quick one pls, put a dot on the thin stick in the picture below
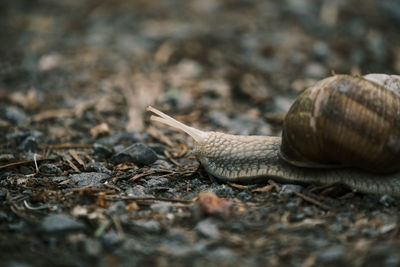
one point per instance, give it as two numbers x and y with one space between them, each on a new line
313 201
117 197
20 163
65 146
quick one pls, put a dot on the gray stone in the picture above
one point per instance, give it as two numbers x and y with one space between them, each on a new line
19 136
7 157
386 200
89 178
111 239
123 137
92 247
102 150
150 226
157 181
60 222
17 264
136 191
58 179
98 167
139 153
392 8
14 115
207 228
117 208
50 169
288 189
162 208
332 254
29 143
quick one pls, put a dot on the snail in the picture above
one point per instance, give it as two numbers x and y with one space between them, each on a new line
344 129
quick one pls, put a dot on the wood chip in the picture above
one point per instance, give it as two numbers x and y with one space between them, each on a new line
73 166
76 157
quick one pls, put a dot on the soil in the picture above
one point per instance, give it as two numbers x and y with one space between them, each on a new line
87 180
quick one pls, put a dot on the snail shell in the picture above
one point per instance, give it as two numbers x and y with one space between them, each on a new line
346 120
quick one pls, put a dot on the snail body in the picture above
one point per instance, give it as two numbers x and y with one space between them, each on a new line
316 131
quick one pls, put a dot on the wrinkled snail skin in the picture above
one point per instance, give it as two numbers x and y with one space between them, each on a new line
249 159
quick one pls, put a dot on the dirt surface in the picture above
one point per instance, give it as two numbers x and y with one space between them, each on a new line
86 180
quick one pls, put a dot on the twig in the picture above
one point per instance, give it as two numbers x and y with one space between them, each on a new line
117 197
168 155
118 226
34 159
76 157
28 206
313 201
112 186
65 146
239 186
20 163
73 166
146 173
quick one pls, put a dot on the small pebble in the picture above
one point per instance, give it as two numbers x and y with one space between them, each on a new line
60 222
7 157
50 169
123 137
19 136
139 154
288 189
136 191
386 200
117 208
89 178
111 239
58 179
158 148
92 247
29 143
97 167
150 226
162 208
332 254
208 229
157 182
14 115
102 150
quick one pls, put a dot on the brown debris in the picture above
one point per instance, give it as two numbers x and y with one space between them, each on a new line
313 201
101 129
52 114
213 205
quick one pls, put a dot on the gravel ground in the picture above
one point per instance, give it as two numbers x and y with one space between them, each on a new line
85 179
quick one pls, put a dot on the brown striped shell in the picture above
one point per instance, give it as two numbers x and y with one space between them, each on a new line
346 120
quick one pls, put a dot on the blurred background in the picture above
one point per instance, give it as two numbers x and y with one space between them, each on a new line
235 63
75 78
